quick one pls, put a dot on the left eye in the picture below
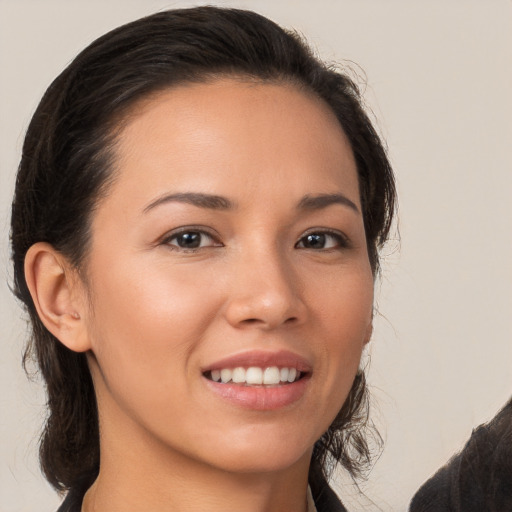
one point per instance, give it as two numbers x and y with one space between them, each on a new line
190 240
321 240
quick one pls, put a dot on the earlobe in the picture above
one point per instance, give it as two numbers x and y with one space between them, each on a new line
54 288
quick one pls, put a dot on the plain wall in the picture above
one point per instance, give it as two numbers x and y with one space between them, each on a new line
439 77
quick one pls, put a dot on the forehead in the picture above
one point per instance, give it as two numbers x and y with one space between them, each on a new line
236 135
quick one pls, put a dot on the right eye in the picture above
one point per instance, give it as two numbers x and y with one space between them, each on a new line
190 240
322 239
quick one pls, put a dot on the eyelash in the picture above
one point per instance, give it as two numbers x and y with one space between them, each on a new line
341 241
190 230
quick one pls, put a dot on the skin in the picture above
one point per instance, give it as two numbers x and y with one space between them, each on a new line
151 314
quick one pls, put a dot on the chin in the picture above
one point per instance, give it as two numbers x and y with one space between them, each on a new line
270 462
262 453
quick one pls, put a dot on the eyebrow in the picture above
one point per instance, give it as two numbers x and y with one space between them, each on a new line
200 200
214 202
317 202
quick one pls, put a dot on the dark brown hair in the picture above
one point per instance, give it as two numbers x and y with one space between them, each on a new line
66 167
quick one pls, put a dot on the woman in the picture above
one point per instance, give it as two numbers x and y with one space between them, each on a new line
195 233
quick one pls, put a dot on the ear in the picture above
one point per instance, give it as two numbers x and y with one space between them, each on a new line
58 295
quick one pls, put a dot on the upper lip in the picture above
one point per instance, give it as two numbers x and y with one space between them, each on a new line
262 359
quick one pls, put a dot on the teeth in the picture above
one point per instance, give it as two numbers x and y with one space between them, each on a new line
225 375
255 376
239 375
271 375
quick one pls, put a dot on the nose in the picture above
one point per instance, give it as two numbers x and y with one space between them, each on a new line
266 293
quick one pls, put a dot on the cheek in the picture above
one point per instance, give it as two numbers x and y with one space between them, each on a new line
344 316
146 323
343 304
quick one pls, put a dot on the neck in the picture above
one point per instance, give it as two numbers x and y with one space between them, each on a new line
138 485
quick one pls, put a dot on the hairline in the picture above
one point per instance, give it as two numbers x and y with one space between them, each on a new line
112 129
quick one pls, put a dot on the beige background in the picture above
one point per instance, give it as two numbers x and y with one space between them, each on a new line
439 81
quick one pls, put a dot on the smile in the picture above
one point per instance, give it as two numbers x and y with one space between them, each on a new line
255 376
259 380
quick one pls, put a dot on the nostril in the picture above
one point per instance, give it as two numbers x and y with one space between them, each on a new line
255 321
250 321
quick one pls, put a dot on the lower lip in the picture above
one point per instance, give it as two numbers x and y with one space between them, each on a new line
261 398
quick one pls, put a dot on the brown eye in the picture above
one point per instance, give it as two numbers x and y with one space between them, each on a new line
190 240
314 241
322 240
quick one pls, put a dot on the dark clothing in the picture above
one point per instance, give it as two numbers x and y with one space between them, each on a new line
478 479
324 497
73 502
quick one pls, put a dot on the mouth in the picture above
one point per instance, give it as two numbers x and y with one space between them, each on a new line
260 380
255 376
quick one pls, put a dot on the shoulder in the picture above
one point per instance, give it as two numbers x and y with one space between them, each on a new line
479 477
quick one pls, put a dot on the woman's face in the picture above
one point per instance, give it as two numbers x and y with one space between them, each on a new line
230 246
